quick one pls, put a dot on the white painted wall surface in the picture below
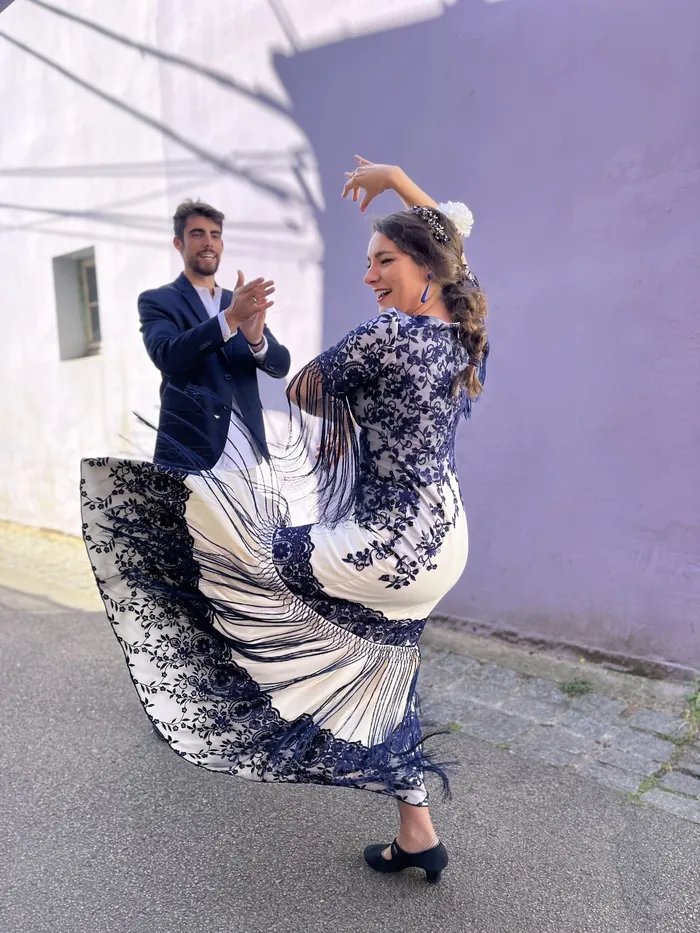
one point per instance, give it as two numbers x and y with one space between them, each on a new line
65 148
54 412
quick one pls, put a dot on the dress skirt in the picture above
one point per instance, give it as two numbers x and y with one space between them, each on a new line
264 649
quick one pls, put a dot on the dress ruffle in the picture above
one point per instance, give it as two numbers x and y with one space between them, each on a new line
237 672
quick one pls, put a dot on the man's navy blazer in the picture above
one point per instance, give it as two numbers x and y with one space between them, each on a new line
200 373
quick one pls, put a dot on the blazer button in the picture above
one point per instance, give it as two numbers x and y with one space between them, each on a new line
226 408
227 377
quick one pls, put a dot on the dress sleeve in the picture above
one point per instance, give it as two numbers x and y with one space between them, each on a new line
360 356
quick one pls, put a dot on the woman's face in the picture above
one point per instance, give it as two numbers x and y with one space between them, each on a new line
395 278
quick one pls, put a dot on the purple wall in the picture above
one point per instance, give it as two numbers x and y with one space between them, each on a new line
572 128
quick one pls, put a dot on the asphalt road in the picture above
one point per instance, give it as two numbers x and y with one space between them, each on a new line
103 828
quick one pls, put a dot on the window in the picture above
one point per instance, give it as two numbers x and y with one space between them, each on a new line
77 304
91 308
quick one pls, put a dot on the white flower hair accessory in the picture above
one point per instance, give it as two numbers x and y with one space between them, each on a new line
459 214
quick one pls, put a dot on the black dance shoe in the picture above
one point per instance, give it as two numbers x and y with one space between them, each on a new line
432 861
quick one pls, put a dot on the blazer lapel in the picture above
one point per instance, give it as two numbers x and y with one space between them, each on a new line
192 298
200 312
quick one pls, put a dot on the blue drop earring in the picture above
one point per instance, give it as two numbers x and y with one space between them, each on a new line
424 296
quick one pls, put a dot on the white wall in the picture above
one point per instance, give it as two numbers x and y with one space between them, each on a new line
54 412
65 148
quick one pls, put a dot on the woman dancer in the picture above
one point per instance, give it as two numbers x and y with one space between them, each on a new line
280 652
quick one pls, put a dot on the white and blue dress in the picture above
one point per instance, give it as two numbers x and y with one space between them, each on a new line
285 652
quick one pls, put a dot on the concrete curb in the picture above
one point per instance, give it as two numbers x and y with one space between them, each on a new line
666 695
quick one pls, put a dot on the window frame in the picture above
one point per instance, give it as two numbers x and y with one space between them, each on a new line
93 342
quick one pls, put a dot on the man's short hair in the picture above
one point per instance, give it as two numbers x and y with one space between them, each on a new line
190 208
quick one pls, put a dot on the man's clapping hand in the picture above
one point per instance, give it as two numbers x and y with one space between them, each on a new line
249 306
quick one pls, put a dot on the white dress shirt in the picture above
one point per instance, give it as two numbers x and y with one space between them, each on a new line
239 452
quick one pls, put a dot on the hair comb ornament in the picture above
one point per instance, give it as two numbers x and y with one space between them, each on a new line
458 213
432 218
468 276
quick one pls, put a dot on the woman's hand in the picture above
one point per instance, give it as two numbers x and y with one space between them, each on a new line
373 179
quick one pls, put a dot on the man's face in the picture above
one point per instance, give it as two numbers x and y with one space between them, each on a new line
201 246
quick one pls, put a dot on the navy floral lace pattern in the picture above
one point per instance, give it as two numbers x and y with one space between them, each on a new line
194 669
143 516
397 373
292 550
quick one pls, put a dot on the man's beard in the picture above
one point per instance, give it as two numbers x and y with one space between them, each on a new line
203 267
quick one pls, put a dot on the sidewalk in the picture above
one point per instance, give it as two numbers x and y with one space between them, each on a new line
48 564
637 736
650 754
